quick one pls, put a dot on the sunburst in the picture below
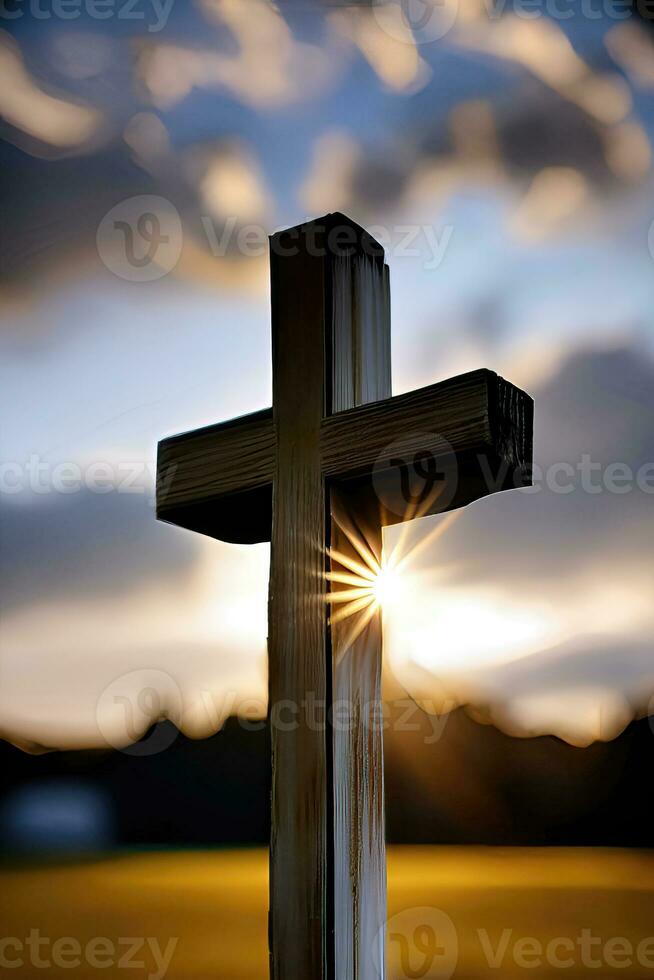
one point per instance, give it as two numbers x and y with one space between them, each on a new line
364 583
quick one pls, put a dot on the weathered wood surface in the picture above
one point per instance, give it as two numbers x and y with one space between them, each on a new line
360 345
327 849
218 480
297 645
232 465
359 819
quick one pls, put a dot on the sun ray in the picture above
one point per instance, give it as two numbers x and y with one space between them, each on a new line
415 510
351 608
436 532
345 595
358 543
352 564
356 630
374 584
343 578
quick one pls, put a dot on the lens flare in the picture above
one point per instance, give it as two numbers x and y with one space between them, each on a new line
387 585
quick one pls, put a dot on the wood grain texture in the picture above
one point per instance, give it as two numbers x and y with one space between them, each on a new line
360 344
360 352
359 824
327 848
218 480
460 415
297 644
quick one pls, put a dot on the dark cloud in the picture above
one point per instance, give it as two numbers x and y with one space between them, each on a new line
85 545
51 210
541 129
600 403
534 128
590 661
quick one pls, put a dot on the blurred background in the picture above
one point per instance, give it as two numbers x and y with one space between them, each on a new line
502 154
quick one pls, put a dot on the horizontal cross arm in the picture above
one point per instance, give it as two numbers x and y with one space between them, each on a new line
476 430
218 480
436 448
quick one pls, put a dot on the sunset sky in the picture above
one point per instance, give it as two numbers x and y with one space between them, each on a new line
506 164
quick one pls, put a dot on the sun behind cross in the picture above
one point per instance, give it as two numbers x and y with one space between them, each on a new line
373 583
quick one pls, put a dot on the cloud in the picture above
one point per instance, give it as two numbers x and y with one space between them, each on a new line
87 545
546 152
599 404
585 690
82 568
555 195
384 39
52 217
270 69
102 602
229 182
327 186
565 134
535 608
543 48
58 122
632 48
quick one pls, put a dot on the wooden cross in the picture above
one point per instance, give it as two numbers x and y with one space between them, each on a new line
315 475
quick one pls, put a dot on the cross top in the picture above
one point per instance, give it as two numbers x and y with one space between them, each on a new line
331 463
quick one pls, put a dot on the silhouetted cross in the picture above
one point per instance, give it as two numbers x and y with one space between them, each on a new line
319 475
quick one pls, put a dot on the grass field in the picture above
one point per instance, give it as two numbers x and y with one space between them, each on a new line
466 912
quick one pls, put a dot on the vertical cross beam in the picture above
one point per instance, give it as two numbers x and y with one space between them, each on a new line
300 475
331 352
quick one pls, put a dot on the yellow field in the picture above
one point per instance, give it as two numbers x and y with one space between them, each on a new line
466 906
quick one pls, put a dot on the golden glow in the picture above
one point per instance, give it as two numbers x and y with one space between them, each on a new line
225 892
372 583
388 585
468 629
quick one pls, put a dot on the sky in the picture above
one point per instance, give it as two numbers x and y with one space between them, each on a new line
504 160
